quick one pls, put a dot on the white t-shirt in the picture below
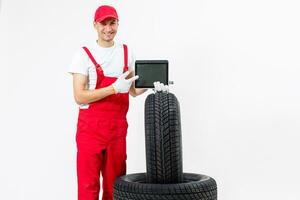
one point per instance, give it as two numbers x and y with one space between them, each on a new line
111 60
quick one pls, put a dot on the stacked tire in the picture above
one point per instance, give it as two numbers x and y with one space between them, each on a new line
164 179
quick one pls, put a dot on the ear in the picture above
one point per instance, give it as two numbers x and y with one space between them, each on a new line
94 24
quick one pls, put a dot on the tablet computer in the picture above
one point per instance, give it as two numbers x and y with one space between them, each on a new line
150 71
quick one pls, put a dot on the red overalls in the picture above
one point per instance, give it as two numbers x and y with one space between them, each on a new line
101 139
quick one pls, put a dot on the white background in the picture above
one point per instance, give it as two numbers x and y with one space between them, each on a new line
236 70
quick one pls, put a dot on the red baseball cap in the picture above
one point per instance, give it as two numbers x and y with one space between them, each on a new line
104 12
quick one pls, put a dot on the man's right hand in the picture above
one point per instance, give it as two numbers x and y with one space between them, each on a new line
122 85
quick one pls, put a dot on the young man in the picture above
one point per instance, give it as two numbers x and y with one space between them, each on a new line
101 89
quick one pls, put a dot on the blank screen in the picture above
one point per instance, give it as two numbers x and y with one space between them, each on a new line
151 72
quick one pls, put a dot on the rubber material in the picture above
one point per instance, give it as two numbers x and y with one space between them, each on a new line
163 139
194 187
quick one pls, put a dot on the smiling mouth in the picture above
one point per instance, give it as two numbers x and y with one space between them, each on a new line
108 33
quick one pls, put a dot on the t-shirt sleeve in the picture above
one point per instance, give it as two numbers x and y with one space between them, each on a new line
131 59
79 63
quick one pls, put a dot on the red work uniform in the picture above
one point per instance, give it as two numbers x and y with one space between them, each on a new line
101 139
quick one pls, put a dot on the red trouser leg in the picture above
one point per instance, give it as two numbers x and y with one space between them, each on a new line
88 175
114 165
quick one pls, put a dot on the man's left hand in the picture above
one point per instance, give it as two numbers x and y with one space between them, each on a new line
160 87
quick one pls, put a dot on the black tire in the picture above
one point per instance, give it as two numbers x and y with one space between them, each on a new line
194 187
163 139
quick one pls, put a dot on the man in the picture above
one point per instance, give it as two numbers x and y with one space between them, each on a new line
101 89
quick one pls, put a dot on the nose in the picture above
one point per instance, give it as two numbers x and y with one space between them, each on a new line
108 27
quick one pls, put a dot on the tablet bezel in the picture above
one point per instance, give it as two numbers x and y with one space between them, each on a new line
151 62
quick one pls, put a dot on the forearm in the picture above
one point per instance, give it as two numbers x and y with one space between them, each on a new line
140 91
136 92
89 96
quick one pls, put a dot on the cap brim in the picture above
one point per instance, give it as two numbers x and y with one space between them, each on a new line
105 17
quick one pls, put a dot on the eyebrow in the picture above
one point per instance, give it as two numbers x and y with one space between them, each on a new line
109 21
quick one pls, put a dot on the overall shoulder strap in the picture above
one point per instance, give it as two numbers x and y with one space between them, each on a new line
92 57
125 57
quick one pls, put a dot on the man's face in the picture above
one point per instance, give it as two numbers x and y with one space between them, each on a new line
107 29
